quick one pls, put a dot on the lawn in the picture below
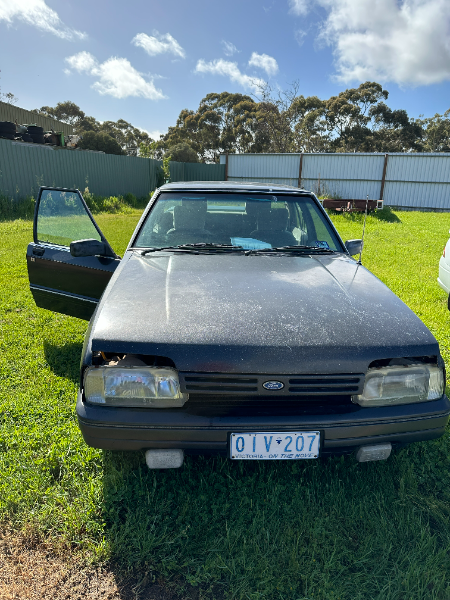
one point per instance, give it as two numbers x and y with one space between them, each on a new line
319 530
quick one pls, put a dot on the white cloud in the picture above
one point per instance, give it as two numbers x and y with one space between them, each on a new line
83 61
158 44
119 79
155 134
228 48
404 41
229 69
300 36
115 77
299 7
38 14
264 61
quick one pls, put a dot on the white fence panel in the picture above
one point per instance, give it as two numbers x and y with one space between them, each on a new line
419 180
257 166
422 168
417 195
344 188
340 167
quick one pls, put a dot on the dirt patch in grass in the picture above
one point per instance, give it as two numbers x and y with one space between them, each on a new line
30 569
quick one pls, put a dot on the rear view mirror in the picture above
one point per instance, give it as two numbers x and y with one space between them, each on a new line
88 248
354 247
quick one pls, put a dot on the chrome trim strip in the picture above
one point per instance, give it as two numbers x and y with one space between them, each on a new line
39 288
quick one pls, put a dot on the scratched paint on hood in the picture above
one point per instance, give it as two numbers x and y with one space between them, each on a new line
295 313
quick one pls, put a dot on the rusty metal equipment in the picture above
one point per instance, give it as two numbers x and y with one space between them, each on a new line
345 205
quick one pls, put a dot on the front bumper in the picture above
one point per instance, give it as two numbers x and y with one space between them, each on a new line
113 428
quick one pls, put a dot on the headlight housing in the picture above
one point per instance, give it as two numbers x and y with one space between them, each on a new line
155 387
401 385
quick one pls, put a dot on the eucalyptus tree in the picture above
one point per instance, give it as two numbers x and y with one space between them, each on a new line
126 135
222 123
436 132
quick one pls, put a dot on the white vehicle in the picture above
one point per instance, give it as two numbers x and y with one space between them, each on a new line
444 271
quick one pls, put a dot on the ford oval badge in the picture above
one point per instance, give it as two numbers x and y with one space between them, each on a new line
273 385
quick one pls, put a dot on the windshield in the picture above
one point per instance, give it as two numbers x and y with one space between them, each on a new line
250 221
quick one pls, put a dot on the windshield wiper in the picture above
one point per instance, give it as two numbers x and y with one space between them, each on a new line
197 248
205 247
303 249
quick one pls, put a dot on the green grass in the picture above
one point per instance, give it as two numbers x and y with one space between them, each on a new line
11 209
323 529
23 208
403 249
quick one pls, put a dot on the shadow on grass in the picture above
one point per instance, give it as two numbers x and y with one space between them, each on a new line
155 536
64 360
386 215
263 529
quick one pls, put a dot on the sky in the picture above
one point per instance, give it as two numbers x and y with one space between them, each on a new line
145 61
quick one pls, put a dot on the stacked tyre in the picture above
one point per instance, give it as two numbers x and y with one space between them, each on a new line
7 130
36 133
27 137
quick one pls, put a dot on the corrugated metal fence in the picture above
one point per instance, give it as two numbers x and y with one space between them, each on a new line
25 167
9 112
196 172
419 180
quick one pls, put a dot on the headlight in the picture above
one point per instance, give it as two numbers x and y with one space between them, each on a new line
401 385
156 387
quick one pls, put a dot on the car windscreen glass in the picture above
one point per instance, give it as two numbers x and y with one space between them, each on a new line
252 221
62 219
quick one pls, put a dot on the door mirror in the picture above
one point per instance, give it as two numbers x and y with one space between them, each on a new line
354 247
89 247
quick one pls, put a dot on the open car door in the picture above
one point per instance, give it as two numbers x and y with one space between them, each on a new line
69 262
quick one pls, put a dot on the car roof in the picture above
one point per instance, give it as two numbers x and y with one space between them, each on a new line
234 186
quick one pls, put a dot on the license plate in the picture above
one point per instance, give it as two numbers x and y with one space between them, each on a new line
275 445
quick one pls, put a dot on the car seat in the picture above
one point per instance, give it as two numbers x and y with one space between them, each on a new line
272 226
165 222
189 224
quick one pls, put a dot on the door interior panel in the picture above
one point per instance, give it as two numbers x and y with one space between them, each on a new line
57 269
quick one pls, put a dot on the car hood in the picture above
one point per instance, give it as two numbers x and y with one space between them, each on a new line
278 314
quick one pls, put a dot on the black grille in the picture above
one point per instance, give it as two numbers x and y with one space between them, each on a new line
267 406
219 383
222 383
325 384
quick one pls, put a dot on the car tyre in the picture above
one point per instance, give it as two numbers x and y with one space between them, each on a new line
35 130
7 127
37 139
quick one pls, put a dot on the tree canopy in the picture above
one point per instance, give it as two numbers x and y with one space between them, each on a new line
100 141
67 112
273 120
126 135
356 120
222 123
437 132
182 153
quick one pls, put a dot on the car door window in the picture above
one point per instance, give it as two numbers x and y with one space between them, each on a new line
62 219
